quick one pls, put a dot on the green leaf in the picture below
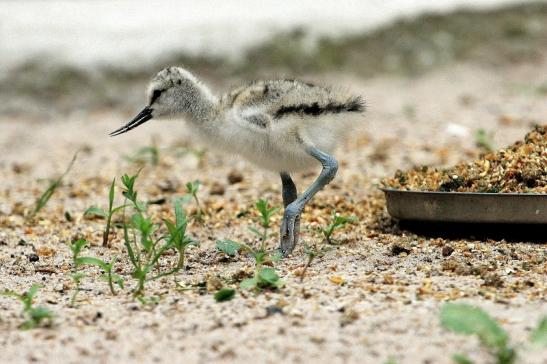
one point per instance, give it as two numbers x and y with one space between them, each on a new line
469 320
116 209
111 194
180 216
36 316
255 231
77 277
10 293
539 335
248 283
77 246
171 228
39 313
461 359
44 198
193 187
269 277
96 211
29 295
118 280
225 294
115 278
229 247
92 261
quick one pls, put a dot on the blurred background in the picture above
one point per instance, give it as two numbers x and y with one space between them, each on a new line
62 57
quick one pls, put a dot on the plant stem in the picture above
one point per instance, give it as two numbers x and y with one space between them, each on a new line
308 263
106 232
180 264
110 284
73 298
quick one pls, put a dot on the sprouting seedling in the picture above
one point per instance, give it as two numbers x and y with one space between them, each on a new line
469 320
266 214
483 140
130 193
46 195
76 247
35 316
108 268
312 252
263 277
192 189
177 233
338 221
106 214
77 279
145 250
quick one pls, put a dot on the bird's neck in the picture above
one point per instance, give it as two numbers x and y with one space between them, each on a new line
199 105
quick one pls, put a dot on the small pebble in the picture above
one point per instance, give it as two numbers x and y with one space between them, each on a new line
234 177
217 189
33 257
447 250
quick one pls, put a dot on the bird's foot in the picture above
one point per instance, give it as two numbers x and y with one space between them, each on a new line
290 228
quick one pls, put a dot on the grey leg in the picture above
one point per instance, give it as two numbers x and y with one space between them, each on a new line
289 189
289 195
289 225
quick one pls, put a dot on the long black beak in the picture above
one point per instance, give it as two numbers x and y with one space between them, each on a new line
141 118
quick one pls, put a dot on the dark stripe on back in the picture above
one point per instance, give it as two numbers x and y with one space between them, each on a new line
355 104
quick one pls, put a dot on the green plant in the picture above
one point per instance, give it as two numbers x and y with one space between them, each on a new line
263 278
177 233
265 221
312 252
469 320
224 294
77 279
54 184
96 211
108 276
229 247
192 189
338 221
146 249
76 247
483 140
35 316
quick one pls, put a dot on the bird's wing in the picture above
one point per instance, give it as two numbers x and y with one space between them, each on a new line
263 101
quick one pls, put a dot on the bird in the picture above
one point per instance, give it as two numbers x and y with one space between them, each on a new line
282 125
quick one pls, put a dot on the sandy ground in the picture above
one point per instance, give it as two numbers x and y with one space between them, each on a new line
374 296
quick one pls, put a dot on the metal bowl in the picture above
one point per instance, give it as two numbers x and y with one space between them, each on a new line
467 207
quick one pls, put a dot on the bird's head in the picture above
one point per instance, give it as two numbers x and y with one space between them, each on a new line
173 91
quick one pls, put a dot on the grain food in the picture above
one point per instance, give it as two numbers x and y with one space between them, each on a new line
521 167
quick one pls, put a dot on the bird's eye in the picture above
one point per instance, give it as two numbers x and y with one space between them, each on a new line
155 95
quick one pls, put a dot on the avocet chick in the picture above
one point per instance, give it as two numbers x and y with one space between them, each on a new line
283 125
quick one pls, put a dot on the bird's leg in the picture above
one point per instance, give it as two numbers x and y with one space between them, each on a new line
289 189
289 195
291 217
